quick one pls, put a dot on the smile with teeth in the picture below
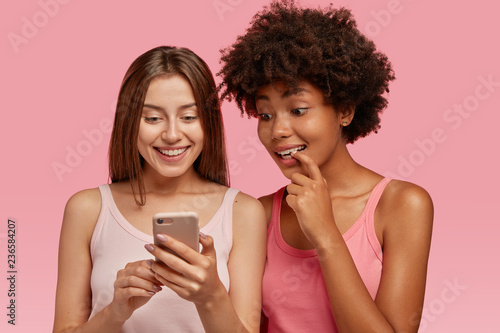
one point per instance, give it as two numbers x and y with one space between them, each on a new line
287 154
172 152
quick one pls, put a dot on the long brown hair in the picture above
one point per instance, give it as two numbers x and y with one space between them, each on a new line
125 162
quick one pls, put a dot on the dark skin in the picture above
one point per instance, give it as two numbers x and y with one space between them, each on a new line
324 176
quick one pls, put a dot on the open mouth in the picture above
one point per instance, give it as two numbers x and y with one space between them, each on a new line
287 154
172 152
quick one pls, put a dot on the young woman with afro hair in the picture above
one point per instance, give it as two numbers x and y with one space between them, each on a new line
347 249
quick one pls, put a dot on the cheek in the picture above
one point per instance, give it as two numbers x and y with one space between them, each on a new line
142 146
264 132
141 136
145 135
321 128
196 134
200 133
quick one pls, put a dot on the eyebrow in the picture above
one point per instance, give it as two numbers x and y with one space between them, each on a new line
285 94
159 108
295 91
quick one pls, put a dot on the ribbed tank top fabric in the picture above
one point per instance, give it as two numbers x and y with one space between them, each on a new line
294 292
115 242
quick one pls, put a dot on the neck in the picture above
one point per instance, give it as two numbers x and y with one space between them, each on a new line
341 171
155 183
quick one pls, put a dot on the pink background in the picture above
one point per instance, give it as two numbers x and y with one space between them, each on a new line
62 64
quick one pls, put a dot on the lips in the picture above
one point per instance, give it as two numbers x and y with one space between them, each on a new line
171 152
286 151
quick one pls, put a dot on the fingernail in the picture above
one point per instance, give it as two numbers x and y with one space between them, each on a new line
202 235
149 247
149 262
151 293
161 237
157 288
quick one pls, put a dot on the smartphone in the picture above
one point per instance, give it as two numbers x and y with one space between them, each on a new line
183 226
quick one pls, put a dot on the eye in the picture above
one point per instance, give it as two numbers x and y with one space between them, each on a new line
299 111
264 116
152 120
189 118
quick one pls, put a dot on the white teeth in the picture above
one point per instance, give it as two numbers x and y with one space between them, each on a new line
286 154
172 152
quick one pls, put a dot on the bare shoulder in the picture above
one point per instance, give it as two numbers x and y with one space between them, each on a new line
402 196
87 202
246 204
248 217
82 211
405 206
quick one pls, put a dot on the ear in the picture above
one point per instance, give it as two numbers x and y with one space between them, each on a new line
345 115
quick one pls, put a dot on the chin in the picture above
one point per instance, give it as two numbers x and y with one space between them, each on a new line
288 172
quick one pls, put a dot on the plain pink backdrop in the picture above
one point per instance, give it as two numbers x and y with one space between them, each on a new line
62 65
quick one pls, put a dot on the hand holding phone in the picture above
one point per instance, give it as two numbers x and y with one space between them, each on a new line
183 226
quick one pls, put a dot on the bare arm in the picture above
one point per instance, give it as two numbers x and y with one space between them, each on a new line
406 213
399 301
247 259
73 296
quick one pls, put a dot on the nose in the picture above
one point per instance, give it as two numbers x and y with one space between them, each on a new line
280 128
172 132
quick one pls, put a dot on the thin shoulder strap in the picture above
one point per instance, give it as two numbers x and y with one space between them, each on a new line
228 200
374 198
227 208
106 195
369 216
106 199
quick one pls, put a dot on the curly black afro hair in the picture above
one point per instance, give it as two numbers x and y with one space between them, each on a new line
324 46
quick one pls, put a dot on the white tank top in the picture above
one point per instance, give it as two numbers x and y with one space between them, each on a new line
115 242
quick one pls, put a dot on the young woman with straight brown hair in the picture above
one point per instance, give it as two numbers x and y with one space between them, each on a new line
166 154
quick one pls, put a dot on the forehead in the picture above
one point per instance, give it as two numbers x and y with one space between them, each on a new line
167 88
170 81
282 90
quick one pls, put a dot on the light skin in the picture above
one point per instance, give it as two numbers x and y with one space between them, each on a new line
169 122
324 176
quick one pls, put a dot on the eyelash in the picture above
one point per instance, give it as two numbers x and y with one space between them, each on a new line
156 119
151 119
264 116
302 111
190 118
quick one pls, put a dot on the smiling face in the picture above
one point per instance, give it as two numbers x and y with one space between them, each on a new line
170 133
298 120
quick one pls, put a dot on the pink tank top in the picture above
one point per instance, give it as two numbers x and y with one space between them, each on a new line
294 295
115 242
